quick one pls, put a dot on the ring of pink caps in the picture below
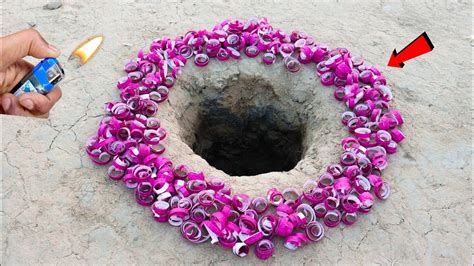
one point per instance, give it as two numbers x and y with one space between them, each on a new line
204 209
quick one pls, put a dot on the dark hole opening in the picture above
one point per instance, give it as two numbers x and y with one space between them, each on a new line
247 142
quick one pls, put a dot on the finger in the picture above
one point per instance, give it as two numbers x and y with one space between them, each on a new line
11 106
13 74
40 104
27 42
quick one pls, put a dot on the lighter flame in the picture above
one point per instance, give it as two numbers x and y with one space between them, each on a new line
88 49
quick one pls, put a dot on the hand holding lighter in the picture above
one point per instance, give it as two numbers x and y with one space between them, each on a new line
42 79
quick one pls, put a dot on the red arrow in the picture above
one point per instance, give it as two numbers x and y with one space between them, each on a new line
419 46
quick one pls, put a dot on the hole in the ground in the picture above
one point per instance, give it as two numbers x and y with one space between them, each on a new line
248 142
243 124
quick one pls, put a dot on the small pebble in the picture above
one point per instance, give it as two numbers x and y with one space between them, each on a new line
53 5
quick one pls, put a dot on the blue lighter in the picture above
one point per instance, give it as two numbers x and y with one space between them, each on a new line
41 79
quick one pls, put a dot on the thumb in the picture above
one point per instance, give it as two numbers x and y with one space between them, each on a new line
27 42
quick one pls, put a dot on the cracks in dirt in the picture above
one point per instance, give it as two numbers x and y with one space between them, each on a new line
450 206
370 229
391 261
52 141
19 173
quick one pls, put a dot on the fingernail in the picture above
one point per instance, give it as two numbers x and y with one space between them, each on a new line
54 49
28 104
6 103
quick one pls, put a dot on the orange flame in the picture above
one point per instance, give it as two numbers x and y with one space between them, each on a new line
88 49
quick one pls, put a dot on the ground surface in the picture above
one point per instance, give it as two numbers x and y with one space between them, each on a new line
60 208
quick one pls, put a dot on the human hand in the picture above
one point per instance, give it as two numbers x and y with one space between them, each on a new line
13 48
